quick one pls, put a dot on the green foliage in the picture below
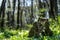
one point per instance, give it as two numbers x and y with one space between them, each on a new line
23 34
1 35
42 10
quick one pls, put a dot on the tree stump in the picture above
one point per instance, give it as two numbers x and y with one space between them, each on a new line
40 27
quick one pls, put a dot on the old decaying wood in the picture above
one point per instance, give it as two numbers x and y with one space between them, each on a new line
40 27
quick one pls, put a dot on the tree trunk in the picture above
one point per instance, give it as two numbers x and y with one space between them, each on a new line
53 9
2 14
40 4
31 16
18 15
8 13
13 20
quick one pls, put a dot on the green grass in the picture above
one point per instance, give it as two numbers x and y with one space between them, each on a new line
23 34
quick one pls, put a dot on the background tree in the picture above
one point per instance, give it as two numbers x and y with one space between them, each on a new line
2 14
8 13
18 13
31 16
53 8
13 16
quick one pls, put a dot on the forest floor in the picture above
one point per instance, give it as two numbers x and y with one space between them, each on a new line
23 34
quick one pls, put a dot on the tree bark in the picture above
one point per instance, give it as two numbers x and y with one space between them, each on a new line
40 4
31 16
2 14
8 13
53 9
19 16
13 20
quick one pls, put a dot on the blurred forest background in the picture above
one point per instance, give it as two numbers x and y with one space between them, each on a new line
29 19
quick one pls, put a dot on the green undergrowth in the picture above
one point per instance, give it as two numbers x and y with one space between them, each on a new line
23 35
10 34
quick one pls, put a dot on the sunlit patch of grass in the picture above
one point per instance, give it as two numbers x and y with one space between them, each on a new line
23 35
